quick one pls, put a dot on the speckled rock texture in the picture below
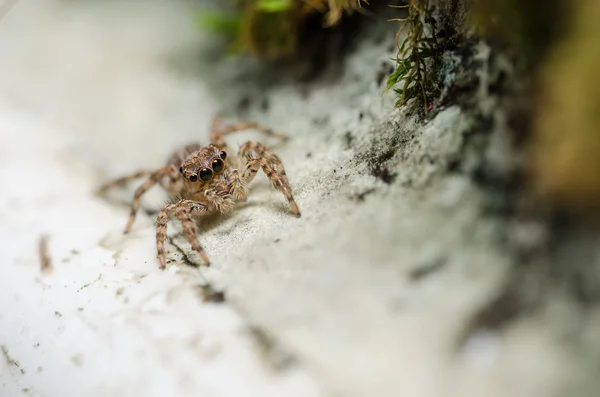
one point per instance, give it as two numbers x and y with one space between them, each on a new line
378 290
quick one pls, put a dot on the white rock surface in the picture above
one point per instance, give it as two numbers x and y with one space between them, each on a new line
92 90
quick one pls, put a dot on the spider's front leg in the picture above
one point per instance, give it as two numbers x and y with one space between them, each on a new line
154 177
120 182
255 156
183 210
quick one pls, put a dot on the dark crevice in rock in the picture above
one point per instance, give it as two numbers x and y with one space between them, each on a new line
10 360
209 294
274 354
422 272
278 358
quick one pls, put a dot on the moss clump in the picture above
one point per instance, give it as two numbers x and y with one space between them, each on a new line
412 60
270 29
269 32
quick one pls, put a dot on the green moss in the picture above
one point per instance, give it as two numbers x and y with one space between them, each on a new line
224 24
269 35
270 6
218 22
269 29
412 60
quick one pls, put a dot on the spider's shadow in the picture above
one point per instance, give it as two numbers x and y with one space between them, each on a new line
205 224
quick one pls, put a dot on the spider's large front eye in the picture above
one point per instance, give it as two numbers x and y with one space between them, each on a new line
181 170
223 155
205 174
217 165
194 178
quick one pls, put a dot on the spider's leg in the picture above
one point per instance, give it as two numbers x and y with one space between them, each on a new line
161 231
121 181
151 181
182 210
169 182
257 156
217 133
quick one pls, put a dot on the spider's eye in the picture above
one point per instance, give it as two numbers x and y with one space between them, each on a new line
223 155
217 165
181 170
194 178
205 174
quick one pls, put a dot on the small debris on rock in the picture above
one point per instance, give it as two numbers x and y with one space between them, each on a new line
264 105
209 294
10 360
423 271
244 104
361 196
383 173
77 360
348 139
45 260
272 352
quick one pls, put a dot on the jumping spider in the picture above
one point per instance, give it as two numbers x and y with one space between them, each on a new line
205 179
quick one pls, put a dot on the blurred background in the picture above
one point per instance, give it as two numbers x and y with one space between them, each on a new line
443 154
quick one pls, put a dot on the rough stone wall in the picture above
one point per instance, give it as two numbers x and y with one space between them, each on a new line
380 289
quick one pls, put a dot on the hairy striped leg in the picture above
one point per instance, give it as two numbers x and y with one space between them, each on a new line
121 181
217 133
167 185
154 177
257 156
183 210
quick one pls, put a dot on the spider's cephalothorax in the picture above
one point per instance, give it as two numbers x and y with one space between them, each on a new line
205 179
